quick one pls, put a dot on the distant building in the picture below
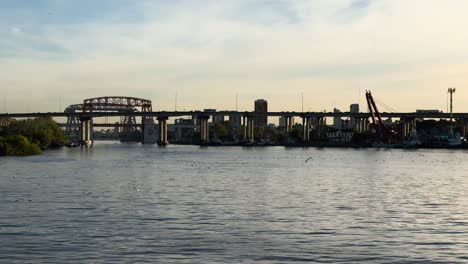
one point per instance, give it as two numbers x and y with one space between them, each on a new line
261 106
354 108
282 121
235 121
184 129
337 122
218 119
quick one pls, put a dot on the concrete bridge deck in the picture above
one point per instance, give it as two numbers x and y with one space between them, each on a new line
169 114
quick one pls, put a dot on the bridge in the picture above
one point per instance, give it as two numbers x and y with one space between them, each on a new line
80 119
411 115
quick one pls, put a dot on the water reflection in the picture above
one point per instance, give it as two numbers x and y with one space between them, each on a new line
131 203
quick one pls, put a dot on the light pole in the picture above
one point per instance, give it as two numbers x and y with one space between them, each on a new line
451 91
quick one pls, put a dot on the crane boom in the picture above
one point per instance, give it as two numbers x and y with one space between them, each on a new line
376 117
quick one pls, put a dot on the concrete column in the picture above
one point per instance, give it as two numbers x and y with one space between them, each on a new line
90 130
464 127
86 131
250 129
204 129
288 125
162 139
409 125
82 130
165 131
291 124
319 127
245 127
305 129
356 126
149 132
207 129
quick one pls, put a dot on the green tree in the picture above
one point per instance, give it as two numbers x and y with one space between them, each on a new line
28 137
220 130
17 145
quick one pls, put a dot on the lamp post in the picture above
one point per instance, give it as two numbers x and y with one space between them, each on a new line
451 91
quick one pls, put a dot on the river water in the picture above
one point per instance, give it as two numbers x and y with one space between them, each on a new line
130 203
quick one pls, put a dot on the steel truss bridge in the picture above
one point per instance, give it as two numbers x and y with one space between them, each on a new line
124 107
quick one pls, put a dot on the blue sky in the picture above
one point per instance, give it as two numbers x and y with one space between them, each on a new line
407 51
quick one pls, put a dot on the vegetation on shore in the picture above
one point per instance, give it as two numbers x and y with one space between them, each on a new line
30 137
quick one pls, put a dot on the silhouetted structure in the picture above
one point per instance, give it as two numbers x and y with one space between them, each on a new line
261 106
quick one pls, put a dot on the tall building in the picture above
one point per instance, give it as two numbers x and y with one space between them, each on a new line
354 108
235 121
337 122
282 121
261 106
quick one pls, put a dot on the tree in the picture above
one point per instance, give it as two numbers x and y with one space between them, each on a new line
28 137
220 130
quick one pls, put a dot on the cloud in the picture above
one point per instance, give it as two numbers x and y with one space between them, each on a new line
209 49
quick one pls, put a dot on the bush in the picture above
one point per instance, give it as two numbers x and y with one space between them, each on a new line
18 145
28 137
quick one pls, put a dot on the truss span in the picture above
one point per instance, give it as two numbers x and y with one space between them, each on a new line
117 104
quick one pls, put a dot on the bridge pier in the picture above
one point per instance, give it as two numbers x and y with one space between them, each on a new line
364 125
250 129
464 127
244 128
149 132
357 125
408 125
86 131
204 130
162 138
306 129
320 123
289 125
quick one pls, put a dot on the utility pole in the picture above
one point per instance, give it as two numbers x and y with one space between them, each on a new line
175 103
302 98
451 91
237 102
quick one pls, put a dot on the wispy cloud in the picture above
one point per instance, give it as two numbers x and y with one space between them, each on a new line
208 48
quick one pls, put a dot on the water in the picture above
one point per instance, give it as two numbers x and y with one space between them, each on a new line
181 204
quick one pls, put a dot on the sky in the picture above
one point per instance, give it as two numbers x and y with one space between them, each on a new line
54 53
